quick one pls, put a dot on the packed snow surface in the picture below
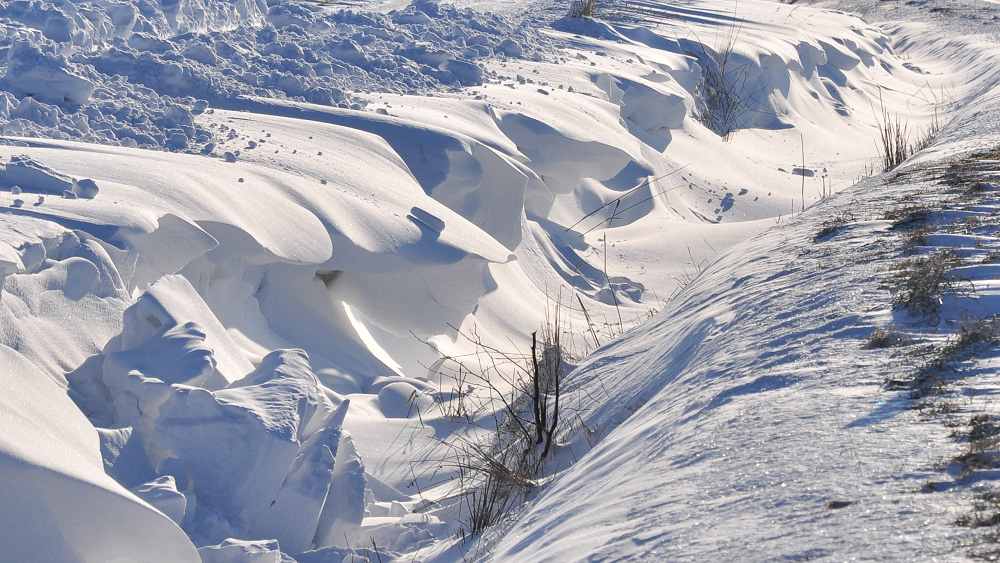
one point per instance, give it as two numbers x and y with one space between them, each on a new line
249 249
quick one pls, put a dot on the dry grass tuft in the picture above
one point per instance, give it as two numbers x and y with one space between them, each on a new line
583 9
890 337
922 282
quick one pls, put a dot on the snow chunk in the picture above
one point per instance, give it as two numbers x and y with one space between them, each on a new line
32 73
340 521
173 301
162 493
468 73
426 219
85 188
239 551
294 514
33 176
32 110
510 48
284 376
248 452
155 344
255 460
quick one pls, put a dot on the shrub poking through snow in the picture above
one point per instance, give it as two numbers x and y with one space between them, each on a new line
972 335
456 404
908 217
982 435
503 470
546 376
893 135
985 513
724 100
894 138
922 280
970 341
494 478
497 470
925 137
890 337
583 8
832 226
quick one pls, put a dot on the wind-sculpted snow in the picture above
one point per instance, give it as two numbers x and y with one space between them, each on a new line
753 419
273 257
736 423
60 504
253 460
62 274
247 239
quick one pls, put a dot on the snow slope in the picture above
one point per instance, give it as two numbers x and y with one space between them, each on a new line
753 413
750 420
241 241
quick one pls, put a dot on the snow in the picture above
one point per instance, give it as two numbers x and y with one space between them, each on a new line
244 245
52 474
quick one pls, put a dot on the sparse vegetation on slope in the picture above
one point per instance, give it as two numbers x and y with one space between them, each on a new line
945 383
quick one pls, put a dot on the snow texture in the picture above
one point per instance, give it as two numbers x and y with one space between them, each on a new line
244 246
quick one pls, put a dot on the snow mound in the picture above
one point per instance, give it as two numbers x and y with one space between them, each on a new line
31 73
51 471
22 174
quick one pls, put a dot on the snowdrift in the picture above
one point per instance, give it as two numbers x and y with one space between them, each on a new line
238 241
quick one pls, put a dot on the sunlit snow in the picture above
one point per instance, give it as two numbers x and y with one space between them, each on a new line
245 245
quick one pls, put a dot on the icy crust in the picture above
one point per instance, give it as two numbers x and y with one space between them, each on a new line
120 73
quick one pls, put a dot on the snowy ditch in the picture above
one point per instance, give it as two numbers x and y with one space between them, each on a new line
241 239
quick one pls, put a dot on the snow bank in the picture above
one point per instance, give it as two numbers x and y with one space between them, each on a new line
222 453
30 73
752 420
